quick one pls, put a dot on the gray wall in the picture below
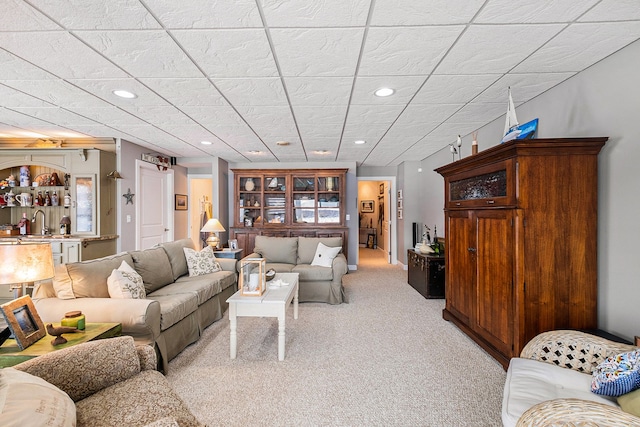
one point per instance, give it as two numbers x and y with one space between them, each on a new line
604 100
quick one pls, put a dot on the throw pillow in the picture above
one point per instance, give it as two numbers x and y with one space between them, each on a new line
324 255
125 282
617 375
630 402
203 262
26 400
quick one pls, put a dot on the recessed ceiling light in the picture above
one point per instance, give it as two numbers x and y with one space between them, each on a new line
206 142
124 94
283 143
359 142
254 152
384 91
321 152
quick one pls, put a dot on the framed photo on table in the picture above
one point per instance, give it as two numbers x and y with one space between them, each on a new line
24 321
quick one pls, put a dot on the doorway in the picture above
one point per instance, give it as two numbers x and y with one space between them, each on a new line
376 218
154 205
200 207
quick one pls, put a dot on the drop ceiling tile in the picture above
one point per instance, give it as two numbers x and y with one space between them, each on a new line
192 133
12 98
14 68
323 114
405 88
523 87
527 11
420 12
367 132
160 115
448 132
262 91
97 14
427 113
207 115
17 15
393 50
104 88
108 115
317 52
186 92
319 91
229 53
479 112
206 13
491 49
369 115
241 137
146 53
320 130
453 89
56 115
96 131
59 52
327 13
321 143
56 92
145 132
613 10
581 45
261 117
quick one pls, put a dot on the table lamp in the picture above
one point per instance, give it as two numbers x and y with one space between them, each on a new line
21 264
212 227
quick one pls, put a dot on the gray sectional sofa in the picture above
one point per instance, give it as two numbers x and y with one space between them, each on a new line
295 255
175 311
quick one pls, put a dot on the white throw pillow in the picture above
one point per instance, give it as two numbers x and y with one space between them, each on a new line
324 255
27 400
125 283
203 262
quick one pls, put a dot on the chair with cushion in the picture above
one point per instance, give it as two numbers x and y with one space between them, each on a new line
110 382
551 383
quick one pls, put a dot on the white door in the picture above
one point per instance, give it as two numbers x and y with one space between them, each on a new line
386 221
154 205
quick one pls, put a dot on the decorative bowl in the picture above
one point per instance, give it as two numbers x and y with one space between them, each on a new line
270 274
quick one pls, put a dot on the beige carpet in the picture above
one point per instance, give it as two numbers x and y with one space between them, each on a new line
385 359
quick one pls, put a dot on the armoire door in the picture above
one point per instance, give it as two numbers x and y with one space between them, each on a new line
494 310
460 273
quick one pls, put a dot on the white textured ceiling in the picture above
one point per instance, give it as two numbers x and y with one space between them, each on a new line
245 74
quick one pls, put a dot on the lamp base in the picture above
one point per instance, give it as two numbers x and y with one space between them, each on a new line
213 241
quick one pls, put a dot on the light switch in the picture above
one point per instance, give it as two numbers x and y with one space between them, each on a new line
128 218
348 217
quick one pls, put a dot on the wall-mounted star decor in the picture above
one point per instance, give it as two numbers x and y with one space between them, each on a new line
128 196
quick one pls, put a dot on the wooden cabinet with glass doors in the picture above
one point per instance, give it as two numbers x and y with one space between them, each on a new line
288 202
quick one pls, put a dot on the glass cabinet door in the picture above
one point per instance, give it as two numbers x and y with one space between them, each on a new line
84 206
304 199
329 200
250 200
274 200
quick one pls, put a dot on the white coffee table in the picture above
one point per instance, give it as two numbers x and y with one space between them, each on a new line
273 303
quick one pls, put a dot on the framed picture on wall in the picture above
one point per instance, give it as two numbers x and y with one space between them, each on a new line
399 213
399 203
399 194
382 188
181 202
366 206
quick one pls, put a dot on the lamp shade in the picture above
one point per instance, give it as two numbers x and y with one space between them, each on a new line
114 175
25 262
212 226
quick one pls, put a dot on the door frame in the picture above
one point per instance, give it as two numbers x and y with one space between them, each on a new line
393 237
143 198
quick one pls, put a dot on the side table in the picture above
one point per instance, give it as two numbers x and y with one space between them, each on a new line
426 274
10 353
229 253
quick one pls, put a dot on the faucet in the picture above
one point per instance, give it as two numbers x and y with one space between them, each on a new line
45 229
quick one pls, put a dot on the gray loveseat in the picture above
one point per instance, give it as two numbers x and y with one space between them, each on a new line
175 311
294 255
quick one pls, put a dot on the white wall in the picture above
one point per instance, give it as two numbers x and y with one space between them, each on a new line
604 100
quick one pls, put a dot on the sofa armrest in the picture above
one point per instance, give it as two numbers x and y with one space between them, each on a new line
340 267
575 350
140 318
148 358
87 368
574 412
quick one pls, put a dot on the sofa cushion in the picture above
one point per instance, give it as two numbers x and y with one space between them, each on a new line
175 253
324 255
87 279
26 400
311 273
201 262
174 307
124 282
277 249
205 287
530 382
279 267
617 375
630 402
307 247
154 267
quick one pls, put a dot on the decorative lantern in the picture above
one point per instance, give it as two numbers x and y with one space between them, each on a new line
252 280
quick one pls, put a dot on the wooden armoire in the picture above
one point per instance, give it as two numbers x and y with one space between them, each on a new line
520 248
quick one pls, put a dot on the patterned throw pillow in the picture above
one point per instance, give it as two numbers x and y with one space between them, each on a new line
126 283
203 262
617 375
